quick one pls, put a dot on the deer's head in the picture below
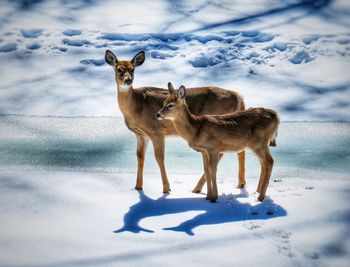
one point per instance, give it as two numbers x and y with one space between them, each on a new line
173 104
124 69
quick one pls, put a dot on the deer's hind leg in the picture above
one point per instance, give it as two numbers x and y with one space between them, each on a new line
142 143
241 169
267 162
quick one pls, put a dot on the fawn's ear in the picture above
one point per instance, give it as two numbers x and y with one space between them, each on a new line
181 93
138 59
171 88
110 58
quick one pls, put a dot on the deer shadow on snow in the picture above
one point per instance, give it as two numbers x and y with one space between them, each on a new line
227 209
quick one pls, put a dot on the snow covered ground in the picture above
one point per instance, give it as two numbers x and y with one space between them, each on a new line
67 162
67 199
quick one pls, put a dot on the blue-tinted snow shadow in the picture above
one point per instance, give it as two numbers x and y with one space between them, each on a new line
227 209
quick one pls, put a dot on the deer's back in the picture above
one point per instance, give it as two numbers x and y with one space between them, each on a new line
233 132
147 101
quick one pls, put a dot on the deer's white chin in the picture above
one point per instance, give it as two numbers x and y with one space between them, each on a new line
124 88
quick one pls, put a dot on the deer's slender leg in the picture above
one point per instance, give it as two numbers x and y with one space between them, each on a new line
269 165
262 177
142 143
213 163
202 180
241 169
158 145
207 173
267 162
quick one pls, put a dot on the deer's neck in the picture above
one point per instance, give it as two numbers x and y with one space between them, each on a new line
125 98
186 124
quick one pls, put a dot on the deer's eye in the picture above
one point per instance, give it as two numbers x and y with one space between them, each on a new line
170 106
120 72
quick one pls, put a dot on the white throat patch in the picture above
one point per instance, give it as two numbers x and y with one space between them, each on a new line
123 88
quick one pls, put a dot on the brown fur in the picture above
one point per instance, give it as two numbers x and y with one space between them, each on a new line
213 135
139 106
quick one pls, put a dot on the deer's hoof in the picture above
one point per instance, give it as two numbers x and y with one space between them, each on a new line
240 186
196 191
261 198
138 188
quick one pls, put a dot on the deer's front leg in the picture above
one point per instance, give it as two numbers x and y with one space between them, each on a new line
198 188
142 143
213 163
158 145
207 174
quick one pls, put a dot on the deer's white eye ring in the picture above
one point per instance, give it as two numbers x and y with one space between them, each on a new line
170 106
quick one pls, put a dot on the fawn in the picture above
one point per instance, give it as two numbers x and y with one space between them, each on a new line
213 135
139 105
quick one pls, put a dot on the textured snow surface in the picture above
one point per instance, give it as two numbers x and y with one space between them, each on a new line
289 55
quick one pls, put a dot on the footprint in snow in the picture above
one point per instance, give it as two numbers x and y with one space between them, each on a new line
71 32
309 187
33 46
96 62
8 47
33 33
253 225
312 255
281 240
75 42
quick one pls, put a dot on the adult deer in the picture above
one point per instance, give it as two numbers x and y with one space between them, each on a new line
139 105
213 135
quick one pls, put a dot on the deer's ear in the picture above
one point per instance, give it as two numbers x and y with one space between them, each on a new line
171 88
110 58
181 93
138 59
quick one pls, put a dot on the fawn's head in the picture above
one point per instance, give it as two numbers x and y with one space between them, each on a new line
124 69
173 104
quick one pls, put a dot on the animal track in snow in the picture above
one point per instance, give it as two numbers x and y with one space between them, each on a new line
253 225
281 240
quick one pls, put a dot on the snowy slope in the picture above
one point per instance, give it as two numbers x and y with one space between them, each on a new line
289 55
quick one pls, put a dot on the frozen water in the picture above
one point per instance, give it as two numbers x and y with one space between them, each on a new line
106 145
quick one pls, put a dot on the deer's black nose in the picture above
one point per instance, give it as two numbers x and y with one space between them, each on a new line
128 81
159 116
